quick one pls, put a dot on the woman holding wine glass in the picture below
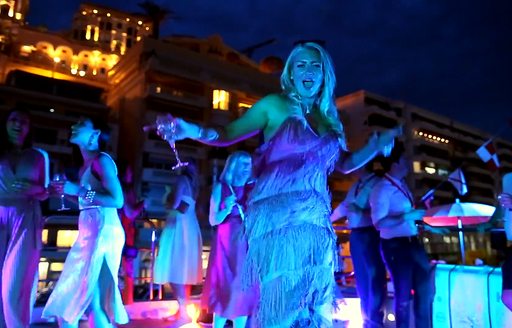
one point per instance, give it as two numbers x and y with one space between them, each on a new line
292 246
88 282
22 186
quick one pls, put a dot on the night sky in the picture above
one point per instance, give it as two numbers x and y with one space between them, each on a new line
451 57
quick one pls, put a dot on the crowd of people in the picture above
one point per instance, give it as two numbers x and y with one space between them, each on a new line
274 251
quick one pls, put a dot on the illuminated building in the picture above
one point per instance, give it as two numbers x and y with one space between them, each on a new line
200 80
108 29
437 145
107 67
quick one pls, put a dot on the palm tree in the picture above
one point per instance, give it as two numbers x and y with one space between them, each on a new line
156 14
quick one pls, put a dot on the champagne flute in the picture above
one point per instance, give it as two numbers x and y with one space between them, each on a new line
60 178
167 129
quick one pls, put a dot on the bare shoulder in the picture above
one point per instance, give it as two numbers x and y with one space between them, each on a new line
274 98
33 155
104 163
270 102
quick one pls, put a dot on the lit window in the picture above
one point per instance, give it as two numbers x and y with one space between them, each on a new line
96 33
244 105
45 231
56 266
26 50
66 238
442 172
113 45
123 43
43 270
430 170
18 16
88 32
158 89
177 93
204 259
416 165
220 99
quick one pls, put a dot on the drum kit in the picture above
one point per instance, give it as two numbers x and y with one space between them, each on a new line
459 215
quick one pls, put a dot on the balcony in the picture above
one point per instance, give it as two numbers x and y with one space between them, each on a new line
40 63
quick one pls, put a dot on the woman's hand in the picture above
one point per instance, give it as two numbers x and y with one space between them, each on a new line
505 200
171 128
385 140
229 202
64 187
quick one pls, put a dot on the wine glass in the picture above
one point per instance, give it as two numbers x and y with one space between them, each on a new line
60 178
167 129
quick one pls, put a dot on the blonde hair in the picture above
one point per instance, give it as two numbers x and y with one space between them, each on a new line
325 99
227 173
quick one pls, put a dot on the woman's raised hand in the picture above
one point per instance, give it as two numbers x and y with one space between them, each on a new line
171 128
386 138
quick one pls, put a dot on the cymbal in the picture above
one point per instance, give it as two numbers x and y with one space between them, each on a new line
449 215
452 221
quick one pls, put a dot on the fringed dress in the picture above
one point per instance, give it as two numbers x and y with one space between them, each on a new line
292 244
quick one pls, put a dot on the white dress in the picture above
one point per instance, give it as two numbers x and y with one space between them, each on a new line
180 247
93 259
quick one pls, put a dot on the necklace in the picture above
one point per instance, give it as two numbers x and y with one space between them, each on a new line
306 110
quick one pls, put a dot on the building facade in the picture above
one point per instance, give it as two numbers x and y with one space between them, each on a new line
106 66
436 145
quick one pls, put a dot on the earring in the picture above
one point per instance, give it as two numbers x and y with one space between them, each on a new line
91 140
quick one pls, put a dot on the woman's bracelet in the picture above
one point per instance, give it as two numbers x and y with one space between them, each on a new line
207 134
87 195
